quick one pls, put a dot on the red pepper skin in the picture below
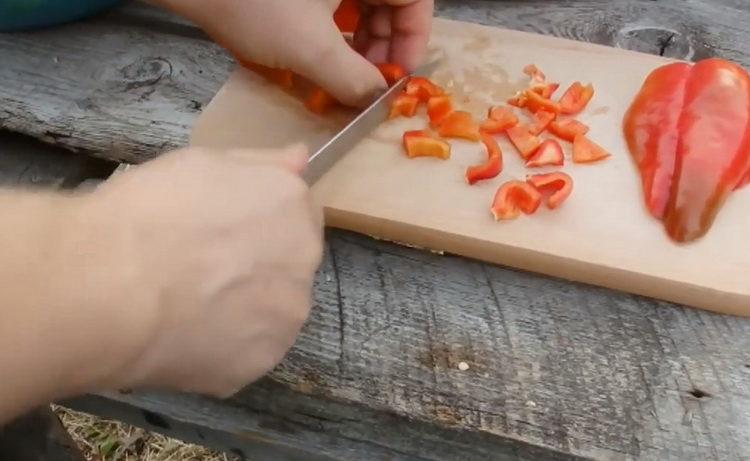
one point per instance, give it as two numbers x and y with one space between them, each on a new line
459 124
515 197
587 151
525 142
567 129
576 98
347 16
558 185
419 143
404 105
438 107
548 154
392 73
319 101
542 119
688 131
492 167
423 88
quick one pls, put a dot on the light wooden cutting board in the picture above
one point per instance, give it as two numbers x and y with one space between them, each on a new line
602 235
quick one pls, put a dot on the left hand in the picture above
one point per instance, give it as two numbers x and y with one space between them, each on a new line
301 35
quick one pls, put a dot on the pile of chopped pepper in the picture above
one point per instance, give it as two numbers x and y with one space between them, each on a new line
546 115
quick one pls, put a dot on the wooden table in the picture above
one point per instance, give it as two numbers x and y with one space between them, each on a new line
556 370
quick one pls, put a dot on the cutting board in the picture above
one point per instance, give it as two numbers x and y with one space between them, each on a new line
602 235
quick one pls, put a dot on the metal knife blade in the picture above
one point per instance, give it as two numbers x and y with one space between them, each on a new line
332 151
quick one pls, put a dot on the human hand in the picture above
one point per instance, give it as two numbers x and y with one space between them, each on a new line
300 35
212 256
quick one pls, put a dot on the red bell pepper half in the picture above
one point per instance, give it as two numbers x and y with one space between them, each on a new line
548 154
525 142
405 105
499 119
319 101
568 129
419 143
392 73
347 16
423 88
459 124
576 98
587 151
688 130
542 119
556 186
492 167
515 197
438 107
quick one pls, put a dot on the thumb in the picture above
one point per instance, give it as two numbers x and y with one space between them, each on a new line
292 158
334 65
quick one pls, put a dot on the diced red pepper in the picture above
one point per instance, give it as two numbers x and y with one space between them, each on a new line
282 77
542 119
391 72
405 105
492 167
319 101
556 186
347 16
587 151
534 73
419 143
576 98
515 197
519 100
499 119
459 124
568 129
423 88
438 107
688 130
525 142
549 153
536 102
545 90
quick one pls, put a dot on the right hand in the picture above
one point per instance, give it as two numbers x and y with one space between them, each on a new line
209 257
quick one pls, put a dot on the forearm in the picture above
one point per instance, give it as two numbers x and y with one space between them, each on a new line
52 342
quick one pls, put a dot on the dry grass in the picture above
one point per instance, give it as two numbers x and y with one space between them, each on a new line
102 440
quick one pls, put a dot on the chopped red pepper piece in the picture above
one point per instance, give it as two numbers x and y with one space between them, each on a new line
438 107
525 142
391 72
557 186
282 77
419 143
550 153
347 16
545 90
568 129
542 119
688 130
515 197
576 98
587 151
319 101
492 167
518 100
423 88
459 124
405 105
533 71
499 119
536 102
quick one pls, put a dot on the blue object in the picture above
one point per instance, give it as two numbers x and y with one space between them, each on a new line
18 15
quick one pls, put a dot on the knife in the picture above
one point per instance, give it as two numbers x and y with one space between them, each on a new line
331 152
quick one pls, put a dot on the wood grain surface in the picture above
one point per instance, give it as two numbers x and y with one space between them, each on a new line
556 369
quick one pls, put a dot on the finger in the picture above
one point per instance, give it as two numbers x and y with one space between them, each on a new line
292 158
378 26
334 65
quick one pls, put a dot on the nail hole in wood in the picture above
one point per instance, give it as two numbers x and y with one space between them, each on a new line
699 394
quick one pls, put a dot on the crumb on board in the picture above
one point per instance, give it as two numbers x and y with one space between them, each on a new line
463 366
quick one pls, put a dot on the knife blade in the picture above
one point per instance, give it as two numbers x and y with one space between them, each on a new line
332 151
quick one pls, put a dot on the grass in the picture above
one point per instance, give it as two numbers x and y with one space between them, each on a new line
103 440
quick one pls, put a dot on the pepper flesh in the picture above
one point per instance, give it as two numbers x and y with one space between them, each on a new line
587 151
542 119
525 142
558 185
567 129
392 73
515 197
548 154
492 167
576 98
438 107
347 16
459 124
423 88
688 130
405 105
498 120
319 101
419 143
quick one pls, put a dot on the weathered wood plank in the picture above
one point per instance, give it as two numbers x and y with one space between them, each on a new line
553 367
